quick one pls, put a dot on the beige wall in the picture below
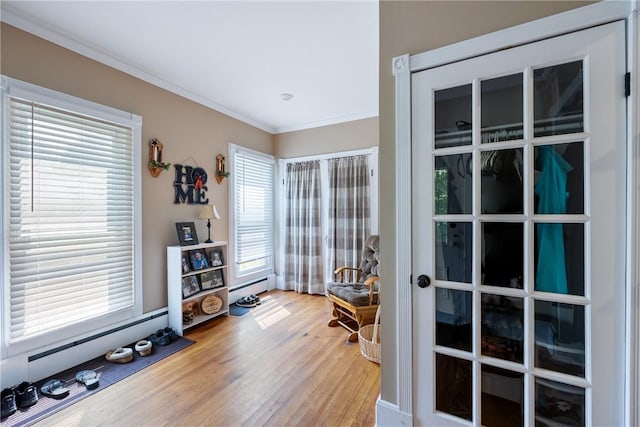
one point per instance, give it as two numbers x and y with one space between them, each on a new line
191 133
413 27
328 139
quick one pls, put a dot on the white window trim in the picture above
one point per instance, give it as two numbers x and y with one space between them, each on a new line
236 280
16 88
371 153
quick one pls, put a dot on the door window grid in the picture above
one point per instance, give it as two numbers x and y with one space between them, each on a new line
529 219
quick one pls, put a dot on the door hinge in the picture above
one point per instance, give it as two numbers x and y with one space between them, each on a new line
410 279
627 84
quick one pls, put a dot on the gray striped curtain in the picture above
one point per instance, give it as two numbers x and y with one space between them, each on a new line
349 210
303 230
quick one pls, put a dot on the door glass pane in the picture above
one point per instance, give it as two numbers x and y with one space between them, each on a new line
559 331
559 258
453 247
501 108
502 327
558 404
502 254
559 175
453 386
453 318
453 116
501 185
453 181
502 397
558 99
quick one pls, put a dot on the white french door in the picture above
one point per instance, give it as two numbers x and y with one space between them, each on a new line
518 189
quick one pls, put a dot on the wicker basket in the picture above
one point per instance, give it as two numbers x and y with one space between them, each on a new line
369 339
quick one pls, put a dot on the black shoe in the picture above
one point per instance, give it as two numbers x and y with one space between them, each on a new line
160 338
8 403
246 302
171 333
26 394
255 299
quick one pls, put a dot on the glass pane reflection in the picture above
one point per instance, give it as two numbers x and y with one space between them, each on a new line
501 185
453 386
453 318
453 181
558 404
559 331
453 116
502 397
453 247
502 327
558 99
502 254
559 258
501 108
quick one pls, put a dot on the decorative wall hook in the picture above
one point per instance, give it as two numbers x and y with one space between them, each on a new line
155 158
220 171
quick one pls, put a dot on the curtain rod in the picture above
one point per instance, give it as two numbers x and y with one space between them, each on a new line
362 151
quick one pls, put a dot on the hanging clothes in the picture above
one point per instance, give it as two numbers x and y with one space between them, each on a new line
551 272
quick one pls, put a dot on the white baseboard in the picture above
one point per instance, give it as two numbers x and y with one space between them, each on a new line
388 415
18 368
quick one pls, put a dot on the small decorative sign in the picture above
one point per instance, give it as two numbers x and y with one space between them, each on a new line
190 185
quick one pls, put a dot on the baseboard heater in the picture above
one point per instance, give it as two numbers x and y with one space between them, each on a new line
254 287
67 346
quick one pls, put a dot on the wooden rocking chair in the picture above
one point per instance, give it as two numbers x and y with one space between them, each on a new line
355 293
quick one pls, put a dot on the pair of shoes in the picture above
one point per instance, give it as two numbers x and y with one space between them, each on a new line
250 301
163 336
55 388
26 394
120 355
143 347
89 378
9 406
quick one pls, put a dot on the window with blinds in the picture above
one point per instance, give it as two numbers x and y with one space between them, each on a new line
253 176
69 211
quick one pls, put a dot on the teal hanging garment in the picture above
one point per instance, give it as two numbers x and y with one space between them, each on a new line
551 272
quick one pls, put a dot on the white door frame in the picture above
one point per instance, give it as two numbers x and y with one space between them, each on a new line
400 412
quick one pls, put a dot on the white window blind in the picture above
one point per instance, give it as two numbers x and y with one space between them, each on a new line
70 189
253 175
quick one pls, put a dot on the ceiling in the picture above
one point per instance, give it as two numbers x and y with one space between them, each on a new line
237 57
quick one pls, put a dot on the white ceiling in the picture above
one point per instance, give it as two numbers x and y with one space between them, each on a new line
236 57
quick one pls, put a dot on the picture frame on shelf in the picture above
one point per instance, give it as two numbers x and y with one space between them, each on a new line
198 259
190 286
186 266
216 259
206 280
218 278
187 235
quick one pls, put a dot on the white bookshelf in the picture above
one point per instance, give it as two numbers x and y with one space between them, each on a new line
177 277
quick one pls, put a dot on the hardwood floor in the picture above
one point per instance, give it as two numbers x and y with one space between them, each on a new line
278 365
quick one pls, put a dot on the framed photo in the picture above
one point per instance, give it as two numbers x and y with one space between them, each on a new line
185 264
206 280
198 259
187 233
216 258
190 286
218 278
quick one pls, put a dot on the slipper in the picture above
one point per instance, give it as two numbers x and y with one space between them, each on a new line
88 378
54 388
120 355
143 347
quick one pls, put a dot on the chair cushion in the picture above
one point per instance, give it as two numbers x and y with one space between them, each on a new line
356 294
